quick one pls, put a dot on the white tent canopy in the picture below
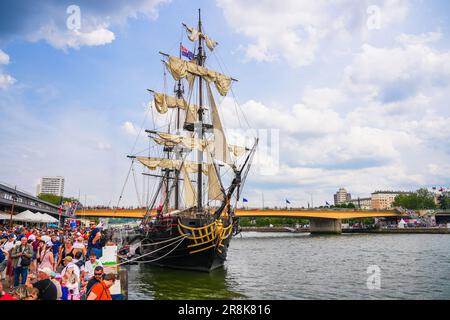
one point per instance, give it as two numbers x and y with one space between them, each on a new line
49 218
26 216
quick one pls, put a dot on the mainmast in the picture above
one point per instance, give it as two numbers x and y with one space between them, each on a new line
179 90
200 62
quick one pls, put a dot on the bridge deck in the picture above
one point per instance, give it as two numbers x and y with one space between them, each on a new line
330 214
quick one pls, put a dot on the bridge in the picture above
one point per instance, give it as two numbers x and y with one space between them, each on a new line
321 221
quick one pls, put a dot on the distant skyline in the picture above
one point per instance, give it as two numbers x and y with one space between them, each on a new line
357 91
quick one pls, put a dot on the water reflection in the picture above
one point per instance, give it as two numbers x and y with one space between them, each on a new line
147 282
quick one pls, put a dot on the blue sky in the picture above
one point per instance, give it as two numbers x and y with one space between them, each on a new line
359 107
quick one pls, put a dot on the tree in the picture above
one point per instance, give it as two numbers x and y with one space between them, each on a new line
444 202
56 200
421 199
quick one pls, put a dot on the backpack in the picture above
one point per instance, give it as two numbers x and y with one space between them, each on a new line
79 263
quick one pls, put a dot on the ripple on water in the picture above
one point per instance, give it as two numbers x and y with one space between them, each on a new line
301 266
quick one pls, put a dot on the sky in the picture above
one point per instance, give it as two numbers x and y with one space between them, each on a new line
350 94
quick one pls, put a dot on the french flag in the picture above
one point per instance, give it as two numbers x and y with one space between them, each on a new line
186 53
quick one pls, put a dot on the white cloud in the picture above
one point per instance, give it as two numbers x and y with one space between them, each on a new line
48 22
130 128
4 58
6 80
64 38
294 30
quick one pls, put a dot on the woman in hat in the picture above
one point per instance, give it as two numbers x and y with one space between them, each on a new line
45 256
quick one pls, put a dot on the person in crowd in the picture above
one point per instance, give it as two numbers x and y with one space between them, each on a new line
5 295
56 245
47 289
94 243
97 278
100 291
79 245
56 279
90 265
45 256
71 281
3 259
8 247
23 292
35 244
65 251
21 254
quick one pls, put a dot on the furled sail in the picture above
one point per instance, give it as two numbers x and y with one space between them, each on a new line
194 35
172 140
153 163
164 101
180 69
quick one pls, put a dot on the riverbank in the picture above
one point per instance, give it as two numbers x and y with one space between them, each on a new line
385 231
401 231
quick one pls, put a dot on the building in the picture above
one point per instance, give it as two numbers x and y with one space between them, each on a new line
362 203
384 199
51 185
17 200
341 196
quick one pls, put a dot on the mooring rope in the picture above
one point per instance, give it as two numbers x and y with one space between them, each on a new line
151 252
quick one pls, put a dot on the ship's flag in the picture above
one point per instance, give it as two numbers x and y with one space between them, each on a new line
327 203
186 53
287 201
244 200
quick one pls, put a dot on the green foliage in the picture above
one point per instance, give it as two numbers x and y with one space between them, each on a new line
444 202
344 206
53 198
421 199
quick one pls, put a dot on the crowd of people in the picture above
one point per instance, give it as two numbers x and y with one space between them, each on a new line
53 264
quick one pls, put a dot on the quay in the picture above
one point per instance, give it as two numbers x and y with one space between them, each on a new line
355 230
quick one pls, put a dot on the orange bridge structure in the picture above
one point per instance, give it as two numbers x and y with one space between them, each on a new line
321 220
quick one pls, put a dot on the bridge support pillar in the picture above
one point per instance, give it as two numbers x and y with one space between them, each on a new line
325 225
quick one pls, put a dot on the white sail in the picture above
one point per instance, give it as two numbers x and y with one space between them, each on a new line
214 188
221 150
190 196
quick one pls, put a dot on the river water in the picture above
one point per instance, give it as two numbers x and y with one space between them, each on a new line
301 266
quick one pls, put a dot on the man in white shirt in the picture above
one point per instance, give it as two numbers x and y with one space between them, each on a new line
90 265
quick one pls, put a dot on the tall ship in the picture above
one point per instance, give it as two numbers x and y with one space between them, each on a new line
197 176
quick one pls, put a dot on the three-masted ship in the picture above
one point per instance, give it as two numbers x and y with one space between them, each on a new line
191 219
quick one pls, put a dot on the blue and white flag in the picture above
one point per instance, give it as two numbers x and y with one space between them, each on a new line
244 200
287 201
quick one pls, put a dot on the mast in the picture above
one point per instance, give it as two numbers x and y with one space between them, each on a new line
200 61
179 94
